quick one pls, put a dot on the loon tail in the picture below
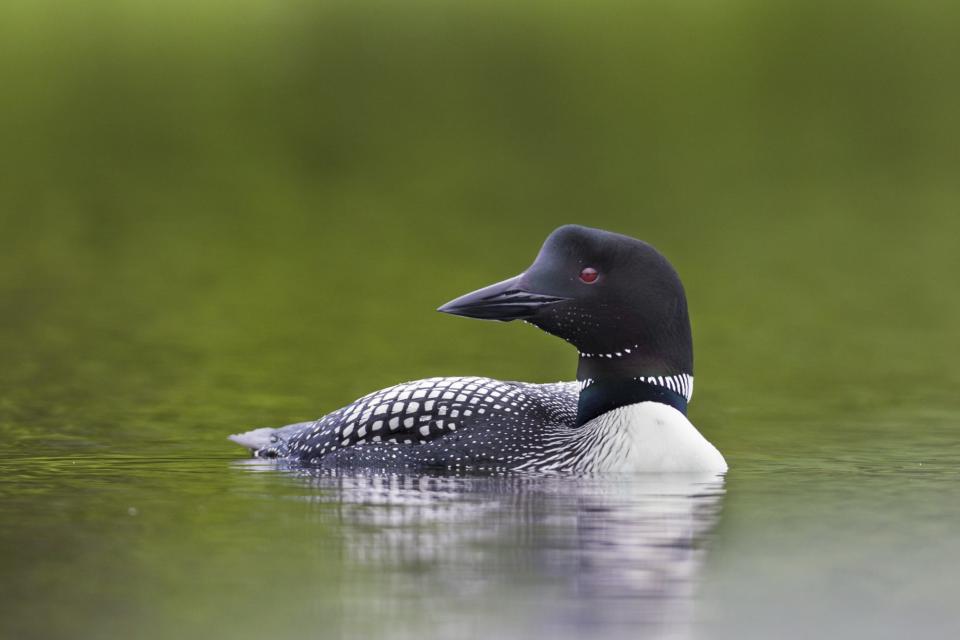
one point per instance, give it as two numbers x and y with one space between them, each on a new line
255 439
267 439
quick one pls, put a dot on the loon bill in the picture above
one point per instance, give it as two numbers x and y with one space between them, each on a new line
618 301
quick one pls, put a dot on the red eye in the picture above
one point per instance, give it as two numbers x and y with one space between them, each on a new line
589 275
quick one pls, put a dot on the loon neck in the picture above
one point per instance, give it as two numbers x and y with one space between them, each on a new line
624 378
600 396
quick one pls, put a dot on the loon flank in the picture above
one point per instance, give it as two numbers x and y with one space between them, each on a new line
618 301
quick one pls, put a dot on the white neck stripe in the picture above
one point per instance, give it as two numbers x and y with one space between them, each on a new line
682 384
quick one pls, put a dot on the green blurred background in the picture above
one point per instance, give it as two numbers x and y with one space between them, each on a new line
293 187
217 215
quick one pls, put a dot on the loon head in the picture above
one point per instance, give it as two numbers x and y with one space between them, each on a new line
615 298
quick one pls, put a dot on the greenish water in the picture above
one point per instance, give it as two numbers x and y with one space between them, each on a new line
220 217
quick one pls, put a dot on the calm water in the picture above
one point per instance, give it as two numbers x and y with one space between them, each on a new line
856 543
222 215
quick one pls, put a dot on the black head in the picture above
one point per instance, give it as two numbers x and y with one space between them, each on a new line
615 298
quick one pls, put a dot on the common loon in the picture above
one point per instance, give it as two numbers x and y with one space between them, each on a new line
618 301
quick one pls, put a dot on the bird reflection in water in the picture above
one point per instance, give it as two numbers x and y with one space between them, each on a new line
519 556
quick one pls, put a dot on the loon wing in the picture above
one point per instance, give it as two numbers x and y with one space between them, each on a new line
416 412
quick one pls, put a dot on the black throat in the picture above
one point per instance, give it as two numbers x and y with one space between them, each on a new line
623 376
601 396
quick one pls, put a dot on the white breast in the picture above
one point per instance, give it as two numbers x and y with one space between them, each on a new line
647 436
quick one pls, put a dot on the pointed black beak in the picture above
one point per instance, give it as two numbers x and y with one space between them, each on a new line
504 301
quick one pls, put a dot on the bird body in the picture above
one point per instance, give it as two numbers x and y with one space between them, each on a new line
616 299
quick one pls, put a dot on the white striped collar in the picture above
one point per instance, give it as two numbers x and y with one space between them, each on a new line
682 383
